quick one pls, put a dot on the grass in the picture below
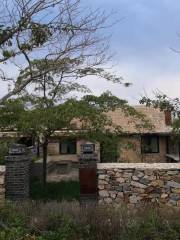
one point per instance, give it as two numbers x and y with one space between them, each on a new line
58 191
69 221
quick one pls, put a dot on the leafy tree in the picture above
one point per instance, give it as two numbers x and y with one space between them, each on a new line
90 112
51 39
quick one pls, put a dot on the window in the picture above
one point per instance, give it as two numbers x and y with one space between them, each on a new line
67 147
150 144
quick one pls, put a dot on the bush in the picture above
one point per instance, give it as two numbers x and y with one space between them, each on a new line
68 221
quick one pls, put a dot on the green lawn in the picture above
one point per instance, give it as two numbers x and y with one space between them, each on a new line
55 191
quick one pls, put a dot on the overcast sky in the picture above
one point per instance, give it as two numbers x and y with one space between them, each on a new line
142 42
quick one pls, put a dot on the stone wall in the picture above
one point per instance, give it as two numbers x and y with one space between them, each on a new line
2 186
139 183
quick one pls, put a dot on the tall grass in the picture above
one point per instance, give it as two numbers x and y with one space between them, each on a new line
68 220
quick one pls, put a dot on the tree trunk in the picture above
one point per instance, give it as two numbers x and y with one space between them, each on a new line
45 145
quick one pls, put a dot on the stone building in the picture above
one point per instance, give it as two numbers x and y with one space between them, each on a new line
136 144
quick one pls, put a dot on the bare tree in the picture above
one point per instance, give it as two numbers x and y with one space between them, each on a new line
50 38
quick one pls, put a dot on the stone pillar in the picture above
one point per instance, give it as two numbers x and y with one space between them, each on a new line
2 186
17 177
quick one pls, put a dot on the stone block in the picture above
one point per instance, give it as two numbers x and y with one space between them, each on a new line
119 188
127 174
100 187
102 177
172 172
135 178
2 180
158 183
137 184
108 200
144 181
101 171
102 182
113 194
150 178
173 184
164 195
148 172
139 174
111 173
118 175
178 203
120 195
138 190
172 202
120 180
175 197
176 178
126 187
103 193
175 190
134 199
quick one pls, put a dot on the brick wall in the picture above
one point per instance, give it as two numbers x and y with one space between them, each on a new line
2 186
17 177
139 183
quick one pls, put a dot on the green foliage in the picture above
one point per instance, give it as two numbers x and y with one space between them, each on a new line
4 146
55 191
110 148
10 113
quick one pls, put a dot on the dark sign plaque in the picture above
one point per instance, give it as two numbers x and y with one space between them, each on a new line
17 149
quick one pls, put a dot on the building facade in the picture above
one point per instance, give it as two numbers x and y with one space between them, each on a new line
144 145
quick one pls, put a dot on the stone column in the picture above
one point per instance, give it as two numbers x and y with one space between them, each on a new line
17 177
